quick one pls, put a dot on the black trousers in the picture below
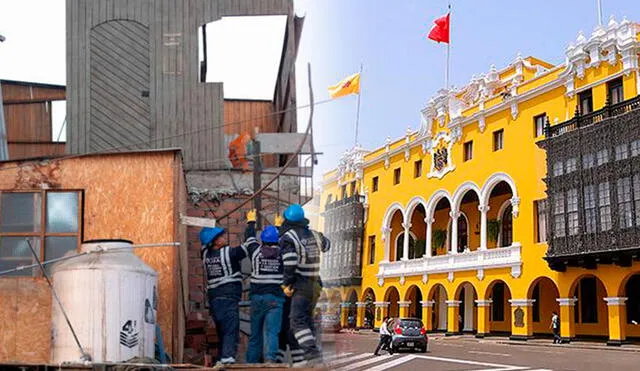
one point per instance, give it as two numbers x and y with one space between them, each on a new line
384 344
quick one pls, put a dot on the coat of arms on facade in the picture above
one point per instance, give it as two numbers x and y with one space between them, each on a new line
440 158
440 149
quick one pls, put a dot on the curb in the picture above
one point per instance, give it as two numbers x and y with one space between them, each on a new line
574 346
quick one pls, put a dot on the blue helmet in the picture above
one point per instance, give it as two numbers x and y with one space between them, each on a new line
208 234
269 234
294 213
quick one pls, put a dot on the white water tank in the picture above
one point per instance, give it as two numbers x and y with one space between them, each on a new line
110 298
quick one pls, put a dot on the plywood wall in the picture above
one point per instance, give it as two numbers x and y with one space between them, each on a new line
126 196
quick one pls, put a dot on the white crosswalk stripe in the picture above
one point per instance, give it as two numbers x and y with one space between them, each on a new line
366 362
369 362
356 357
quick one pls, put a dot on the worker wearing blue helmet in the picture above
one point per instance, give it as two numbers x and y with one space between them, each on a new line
266 295
301 249
224 288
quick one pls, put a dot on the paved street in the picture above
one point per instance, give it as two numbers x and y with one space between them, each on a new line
352 352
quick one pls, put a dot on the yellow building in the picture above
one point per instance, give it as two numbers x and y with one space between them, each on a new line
469 190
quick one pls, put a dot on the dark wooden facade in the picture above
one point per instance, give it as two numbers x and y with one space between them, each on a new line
27 114
133 76
593 188
344 227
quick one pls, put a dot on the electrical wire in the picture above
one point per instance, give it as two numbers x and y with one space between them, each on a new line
116 149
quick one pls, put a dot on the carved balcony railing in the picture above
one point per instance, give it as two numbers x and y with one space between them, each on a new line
580 121
479 260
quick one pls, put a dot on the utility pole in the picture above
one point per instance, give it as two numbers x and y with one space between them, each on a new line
257 182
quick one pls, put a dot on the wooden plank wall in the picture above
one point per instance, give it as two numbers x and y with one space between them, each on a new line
243 116
32 149
184 112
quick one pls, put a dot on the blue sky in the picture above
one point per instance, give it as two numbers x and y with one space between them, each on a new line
402 69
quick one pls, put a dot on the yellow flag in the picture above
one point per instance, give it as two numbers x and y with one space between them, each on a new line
349 85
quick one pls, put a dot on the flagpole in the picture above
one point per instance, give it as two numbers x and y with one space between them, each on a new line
599 13
446 74
358 109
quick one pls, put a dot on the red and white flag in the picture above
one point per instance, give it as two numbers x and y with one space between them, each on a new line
440 30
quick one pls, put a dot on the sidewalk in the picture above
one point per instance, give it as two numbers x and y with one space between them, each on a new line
547 342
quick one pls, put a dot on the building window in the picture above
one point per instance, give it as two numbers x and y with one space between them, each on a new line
374 184
497 305
498 140
614 87
572 212
603 156
372 249
572 165
604 203
621 152
536 303
590 208
538 125
586 102
635 148
417 169
396 176
558 168
636 197
468 150
506 227
541 210
329 198
400 246
588 161
625 208
558 215
48 220
343 192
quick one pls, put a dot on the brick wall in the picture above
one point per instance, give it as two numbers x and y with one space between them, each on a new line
201 338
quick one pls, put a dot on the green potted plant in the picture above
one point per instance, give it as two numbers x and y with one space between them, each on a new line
493 229
438 239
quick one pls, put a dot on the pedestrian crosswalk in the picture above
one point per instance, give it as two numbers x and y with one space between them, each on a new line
367 361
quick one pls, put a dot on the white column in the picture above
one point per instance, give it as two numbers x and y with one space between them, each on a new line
468 309
404 304
386 236
453 248
427 249
405 245
484 209
442 311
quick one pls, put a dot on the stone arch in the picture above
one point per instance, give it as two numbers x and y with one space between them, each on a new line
449 231
500 309
414 295
439 316
467 294
591 314
501 218
392 296
494 180
391 210
387 227
545 292
369 298
462 191
412 205
630 289
434 199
